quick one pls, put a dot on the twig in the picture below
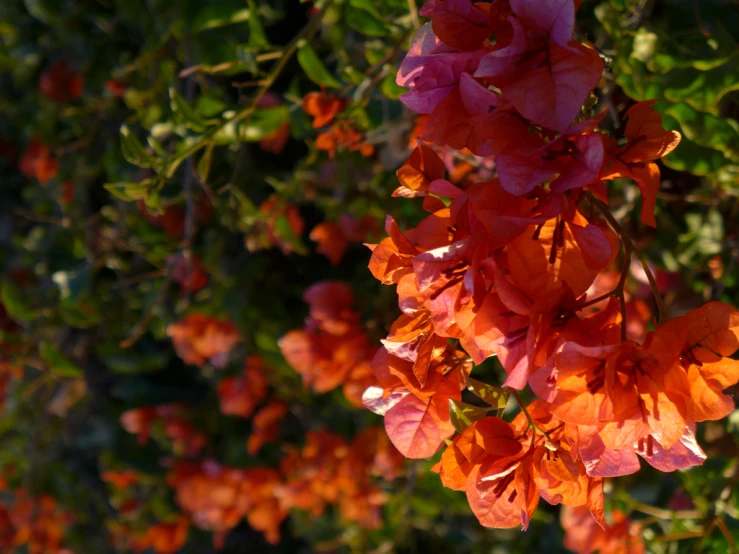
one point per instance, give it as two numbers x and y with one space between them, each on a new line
721 524
413 8
140 328
245 114
661 513
189 231
626 241
521 405
123 283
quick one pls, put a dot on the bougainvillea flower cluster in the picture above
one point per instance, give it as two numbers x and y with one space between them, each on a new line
34 521
325 471
332 349
502 267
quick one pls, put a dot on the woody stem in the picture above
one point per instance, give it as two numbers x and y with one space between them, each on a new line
630 248
246 113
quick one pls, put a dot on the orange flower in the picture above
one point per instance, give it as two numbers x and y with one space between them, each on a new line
37 162
333 238
328 471
281 226
68 190
265 425
189 274
323 107
138 422
584 535
60 83
332 349
121 480
239 396
711 335
416 175
632 155
218 497
116 87
275 141
165 538
199 338
343 137
36 523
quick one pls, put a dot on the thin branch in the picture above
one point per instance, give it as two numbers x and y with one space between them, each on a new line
245 114
626 241
413 8
521 405
721 524
661 513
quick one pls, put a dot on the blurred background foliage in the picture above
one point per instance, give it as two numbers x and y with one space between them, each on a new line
143 141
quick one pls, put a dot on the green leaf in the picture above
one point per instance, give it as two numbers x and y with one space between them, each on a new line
314 68
362 16
284 232
496 397
692 157
205 162
264 122
183 112
146 357
129 191
81 314
14 303
257 36
133 150
701 89
391 89
219 15
58 363
463 415
707 129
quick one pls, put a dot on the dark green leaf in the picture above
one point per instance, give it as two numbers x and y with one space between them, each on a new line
57 362
15 304
133 150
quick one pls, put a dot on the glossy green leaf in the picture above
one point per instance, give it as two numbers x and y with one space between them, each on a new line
314 68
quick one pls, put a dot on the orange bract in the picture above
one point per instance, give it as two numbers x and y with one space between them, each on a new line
37 162
342 136
584 535
332 349
60 83
239 396
265 425
199 338
165 538
632 155
323 107
36 523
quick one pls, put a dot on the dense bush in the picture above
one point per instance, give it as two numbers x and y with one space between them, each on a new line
193 343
